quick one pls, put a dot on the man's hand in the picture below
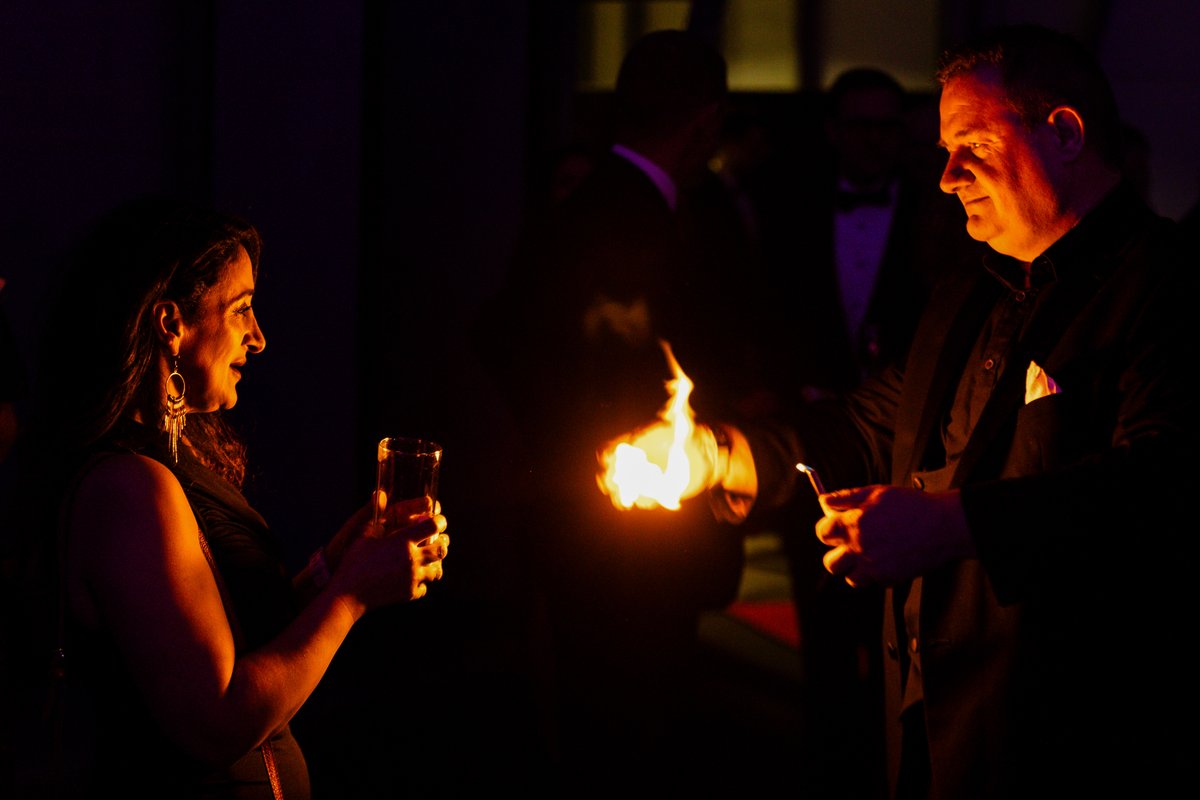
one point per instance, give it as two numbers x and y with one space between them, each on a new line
885 534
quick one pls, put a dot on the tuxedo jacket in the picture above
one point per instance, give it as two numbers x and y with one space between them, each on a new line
808 331
582 273
1052 662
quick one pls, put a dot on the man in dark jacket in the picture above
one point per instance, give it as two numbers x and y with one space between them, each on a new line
1019 482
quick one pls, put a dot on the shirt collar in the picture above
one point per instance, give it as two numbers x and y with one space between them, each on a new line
1079 249
1009 271
653 171
1100 231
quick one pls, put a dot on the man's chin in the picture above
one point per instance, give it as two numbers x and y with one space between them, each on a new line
979 230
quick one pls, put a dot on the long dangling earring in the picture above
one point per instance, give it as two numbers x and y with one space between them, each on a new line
175 417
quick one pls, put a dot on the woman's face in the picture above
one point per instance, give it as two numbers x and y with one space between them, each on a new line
216 340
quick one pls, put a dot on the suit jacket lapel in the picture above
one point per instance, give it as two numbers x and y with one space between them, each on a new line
930 384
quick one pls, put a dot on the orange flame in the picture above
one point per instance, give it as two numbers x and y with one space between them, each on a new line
631 476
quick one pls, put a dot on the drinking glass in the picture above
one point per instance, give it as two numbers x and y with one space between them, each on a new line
408 468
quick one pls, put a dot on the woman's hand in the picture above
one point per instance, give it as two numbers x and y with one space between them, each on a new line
396 516
391 561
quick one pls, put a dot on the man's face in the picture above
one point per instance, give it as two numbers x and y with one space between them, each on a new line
867 131
1005 174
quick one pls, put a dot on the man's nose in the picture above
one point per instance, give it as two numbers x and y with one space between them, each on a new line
954 176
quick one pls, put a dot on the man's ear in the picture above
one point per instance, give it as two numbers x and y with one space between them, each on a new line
168 324
1068 130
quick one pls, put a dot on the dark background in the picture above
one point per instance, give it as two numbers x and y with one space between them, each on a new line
387 151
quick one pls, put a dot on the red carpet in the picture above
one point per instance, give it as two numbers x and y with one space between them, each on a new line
774 618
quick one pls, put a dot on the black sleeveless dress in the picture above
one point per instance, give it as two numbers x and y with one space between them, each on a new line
126 754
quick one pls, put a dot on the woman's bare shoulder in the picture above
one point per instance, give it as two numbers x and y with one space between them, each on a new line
128 490
129 516
121 474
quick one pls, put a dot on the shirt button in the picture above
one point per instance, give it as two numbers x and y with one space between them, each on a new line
989 365
1019 297
918 482
912 645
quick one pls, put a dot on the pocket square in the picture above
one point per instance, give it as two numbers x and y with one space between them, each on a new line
1038 383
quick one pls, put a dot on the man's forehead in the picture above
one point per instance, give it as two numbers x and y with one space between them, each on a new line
972 100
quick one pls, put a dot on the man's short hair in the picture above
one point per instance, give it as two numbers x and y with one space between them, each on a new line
665 77
1041 69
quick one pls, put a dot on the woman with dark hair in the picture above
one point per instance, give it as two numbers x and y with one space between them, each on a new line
182 648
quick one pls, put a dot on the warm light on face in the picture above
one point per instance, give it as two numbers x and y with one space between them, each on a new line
1005 173
220 337
636 472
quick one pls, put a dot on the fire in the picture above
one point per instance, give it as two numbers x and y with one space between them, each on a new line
631 477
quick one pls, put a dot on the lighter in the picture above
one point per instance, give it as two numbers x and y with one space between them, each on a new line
813 478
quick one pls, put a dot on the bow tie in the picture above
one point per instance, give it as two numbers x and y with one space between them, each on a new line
848 201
